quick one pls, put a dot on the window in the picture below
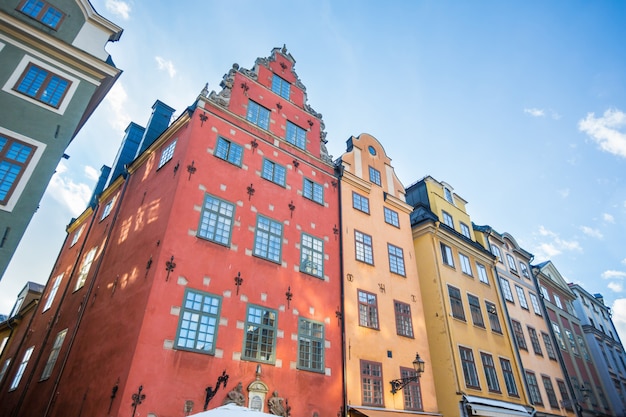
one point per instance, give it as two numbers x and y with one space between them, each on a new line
107 209
447 219
43 12
557 301
274 172
558 335
360 203
260 337
545 293
364 251
268 239
54 354
396 259
258 115
312 256
567 404
506 290
469 368
521 297
77 235
3 344
53 292
216 220
547 384
412 392
572 341
167 154
547 341
465 230
14 158
584 351
511 262
391 217
509 377
313 191
493 317
311 345
524 269
368 310
519 335
229 151
448 195
375 176
296 135
535 302
534 340
372 383
496 252
490 372
4 368
16 307
456 303
482 273
84 268
446 255
466 267
21 368
533 388
404 324
199 318
280 86
43 85
475 311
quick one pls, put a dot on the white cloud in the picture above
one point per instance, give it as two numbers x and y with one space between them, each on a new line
535 112
608 218
610 274
619 316
116 99
591 232
607 131
564 192
615 286
92 173
119 8
553 245
165 65
74 196
624 261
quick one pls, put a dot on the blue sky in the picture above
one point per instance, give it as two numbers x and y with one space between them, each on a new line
520 106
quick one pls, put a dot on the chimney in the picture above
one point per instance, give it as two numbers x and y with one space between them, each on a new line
599 297
104 175
126 154
159 121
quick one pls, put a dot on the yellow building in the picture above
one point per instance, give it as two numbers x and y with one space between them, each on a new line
384 320
473 357
545 381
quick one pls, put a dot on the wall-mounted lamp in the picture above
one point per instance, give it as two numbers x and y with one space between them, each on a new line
398 384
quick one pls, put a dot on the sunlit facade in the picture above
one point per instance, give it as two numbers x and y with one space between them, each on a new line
475 360
542 371
384 319
207 271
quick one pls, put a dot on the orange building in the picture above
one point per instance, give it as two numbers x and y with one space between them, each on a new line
207 272
384 320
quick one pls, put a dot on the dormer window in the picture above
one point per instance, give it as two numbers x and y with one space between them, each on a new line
281 87
447 193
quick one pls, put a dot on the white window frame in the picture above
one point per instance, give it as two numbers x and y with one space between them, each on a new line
53 292
20 370
167 153
466 265
482 273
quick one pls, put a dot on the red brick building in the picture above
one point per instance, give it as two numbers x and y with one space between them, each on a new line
214 257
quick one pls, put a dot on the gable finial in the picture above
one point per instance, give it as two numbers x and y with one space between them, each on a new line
284 50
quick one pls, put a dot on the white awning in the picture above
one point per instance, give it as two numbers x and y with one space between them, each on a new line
478 406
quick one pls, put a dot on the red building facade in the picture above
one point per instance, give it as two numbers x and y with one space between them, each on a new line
208 272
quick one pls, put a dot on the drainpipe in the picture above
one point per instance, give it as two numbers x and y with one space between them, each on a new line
342 307
556 345
87 294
